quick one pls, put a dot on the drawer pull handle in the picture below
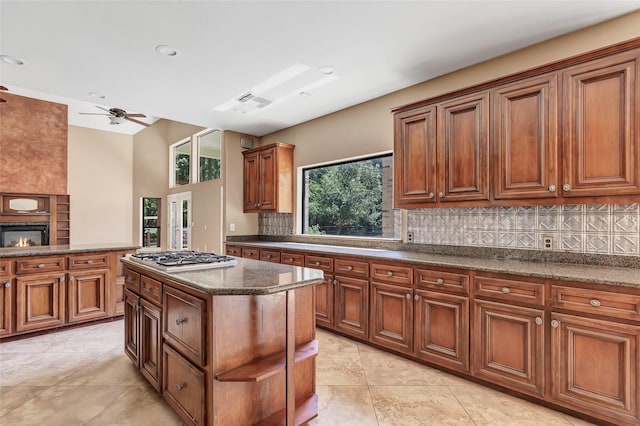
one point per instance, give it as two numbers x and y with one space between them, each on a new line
594 302
506 290
439 281
416 297
349 268
179 387
89 261
291 259
538 321
317 263
180 321
41 265
129 280
555 323
7 284
149 289
268 256
389 273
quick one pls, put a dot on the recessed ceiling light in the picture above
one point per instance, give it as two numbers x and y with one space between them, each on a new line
97 95
11 60
326 70
165 50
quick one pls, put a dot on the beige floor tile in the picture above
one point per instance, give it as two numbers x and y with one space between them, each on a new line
490 407
333 343
112 369
12 397
340 369
417 406
382 368
344 406
43 369
63 405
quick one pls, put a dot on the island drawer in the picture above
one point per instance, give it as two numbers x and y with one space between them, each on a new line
352 267
39 264
319 262
184 324
270 256
233 251
596 302
184 386
292 259
510 289
251 253
132 280
5 268
86 261
447 282
394 274
151 289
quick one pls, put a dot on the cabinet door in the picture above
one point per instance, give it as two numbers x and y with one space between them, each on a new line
352 306
6 306
601 141
415 160
251 182
268 172
132 326
151 343
525 139
463 148
392 316
40 302
509 346
86 295
595 367
441 329
184 387
324 301
184 324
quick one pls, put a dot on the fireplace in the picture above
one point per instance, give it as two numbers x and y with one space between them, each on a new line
24 234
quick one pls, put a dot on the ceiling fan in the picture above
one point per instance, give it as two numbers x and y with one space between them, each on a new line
117 116
3 88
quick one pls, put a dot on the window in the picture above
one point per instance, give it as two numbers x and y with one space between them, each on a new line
151 222
181 163
179 221
353 198
209 156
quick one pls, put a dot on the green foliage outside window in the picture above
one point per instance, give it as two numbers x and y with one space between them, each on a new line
183 169
209 168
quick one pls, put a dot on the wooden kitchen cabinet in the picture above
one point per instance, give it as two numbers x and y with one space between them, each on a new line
184 386
525 139
595 367
184 324
231 250
132 327
391 320
352 306
87 295
40 301
151 343
270 256
600 121
251 253
325 301
7 287
268 179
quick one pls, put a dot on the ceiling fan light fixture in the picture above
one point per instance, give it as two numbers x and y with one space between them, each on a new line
166 50
116 120
12 60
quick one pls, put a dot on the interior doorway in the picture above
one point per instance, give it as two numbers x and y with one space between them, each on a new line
179 223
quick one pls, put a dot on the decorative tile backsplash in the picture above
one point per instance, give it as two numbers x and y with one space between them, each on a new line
275 224
598 229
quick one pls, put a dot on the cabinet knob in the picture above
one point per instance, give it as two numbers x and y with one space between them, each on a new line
89 261
179 387
180 321
349 268
149 289
416 297
566 187
538 321
594 302
441 194
291 259
555 323
41 265
335 282
506 290
268 256
439 281
7 284
431 195
258 204
552 188
317 263
61 279
389 273
71 278
129 280
407 296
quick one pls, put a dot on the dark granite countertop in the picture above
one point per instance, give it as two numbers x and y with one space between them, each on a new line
248 277
620 276
63 249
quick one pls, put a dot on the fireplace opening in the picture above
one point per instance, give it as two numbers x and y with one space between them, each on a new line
24 235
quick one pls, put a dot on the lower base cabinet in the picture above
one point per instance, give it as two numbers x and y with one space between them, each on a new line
596 367
392 316
184 386
40 302
324 301
87 295
352 306
6 305
132 327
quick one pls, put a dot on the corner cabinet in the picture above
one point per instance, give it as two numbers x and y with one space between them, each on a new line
268 179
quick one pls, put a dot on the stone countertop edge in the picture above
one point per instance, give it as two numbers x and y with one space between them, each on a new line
63 249
205 279
611 275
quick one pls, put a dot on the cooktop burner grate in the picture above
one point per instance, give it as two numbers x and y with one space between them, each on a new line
184 260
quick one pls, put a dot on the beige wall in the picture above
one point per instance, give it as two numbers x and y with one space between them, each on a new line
100 176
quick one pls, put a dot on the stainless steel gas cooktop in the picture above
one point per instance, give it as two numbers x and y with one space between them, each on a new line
185 260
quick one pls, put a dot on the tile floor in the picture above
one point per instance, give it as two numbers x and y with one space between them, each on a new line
82 377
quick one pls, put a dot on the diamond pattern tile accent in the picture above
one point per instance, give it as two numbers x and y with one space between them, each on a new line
507 239
625 244
526 240
571 242
597 223
625 223
597 243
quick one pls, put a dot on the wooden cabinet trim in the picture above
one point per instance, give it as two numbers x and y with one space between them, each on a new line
89 261
351 267
614 305
510 289
319 262
395 273
38 265
448 282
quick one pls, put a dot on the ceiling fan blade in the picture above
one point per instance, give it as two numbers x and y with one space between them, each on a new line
135 115
92 113
104 109
142 123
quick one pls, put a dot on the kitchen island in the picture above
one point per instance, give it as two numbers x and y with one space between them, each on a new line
226 346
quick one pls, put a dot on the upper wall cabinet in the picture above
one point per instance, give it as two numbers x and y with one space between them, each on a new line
564 133
601 136
268 179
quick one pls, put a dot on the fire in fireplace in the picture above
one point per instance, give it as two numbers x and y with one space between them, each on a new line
24 234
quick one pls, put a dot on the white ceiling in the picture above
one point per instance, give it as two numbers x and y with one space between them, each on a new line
228 48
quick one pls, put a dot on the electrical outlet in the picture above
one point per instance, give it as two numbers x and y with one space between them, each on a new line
547 243
409 237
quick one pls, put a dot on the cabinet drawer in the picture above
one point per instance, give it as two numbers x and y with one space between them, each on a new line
442 281
184 324
184 386
251 253
233 251
39 264
396 274
132 280
270 256
87 261
596 302
319 262
510 289
292 259
151 289
5 268
352 267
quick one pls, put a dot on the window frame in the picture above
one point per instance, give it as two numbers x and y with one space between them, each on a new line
196 154
172 162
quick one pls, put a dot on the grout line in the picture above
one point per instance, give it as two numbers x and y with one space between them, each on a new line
461 404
